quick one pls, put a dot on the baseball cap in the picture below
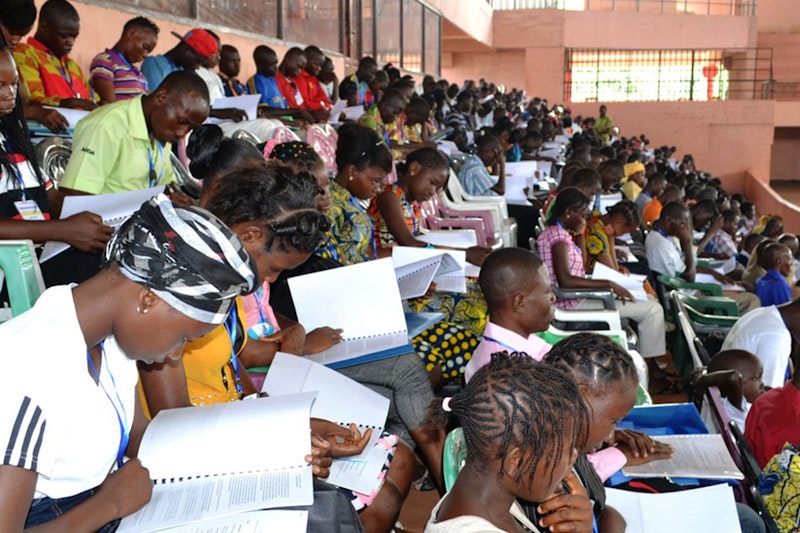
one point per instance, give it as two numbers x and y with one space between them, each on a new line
200 41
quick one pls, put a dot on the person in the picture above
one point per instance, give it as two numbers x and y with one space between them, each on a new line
81 415
748 245
48 75
516 286
653 189
652 209
634 180
26 194
774 419
603 126
512 452
384 118
755 265
474 176
192 50
355 87
230 65
663 255
272 104
607 380
328 79
773 288
114 73
126 145
560 246
723 244
316 99
738 375
289 79
749 218
602 230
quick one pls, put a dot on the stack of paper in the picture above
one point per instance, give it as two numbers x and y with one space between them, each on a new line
634 283
460 238
447 269
702 456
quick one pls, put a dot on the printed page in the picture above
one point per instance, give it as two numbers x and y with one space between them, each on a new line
711 508
708 278
73 116
373 320
632 282
254 435
353 113
360 472
337 110
609 200
449 277
113 208
414 278
189 501
460 239
696 456
630 257
281 520
246 102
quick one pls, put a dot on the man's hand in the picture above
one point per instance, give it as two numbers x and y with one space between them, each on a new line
78 103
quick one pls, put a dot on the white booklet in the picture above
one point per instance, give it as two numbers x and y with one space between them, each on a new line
361 299
417 267
113 208
340 400
702 456
458 238
225 459
246 102
73 116
632 282
711 508
285 521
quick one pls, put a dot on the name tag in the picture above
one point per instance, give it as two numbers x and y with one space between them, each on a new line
29 210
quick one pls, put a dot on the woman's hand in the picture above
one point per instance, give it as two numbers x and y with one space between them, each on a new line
621 292
320 458
128 489
623 270
639 448
568 512
343 442
321 339
477 254
49 118
86 232
290 339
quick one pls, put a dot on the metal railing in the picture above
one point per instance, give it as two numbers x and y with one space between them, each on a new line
782 91
667 75
695 7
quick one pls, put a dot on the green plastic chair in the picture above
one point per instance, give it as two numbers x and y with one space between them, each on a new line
674 283
455 455
552 337
23 278
708 310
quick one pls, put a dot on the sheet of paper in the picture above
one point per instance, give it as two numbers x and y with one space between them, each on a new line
696 456
414 278
460 239
370 290
246 102
708 278
711 508
337 110
632 282
282 520
525 169
629 257
608 200
113 208
450 278
193 500
353 113
416 323
448 147
73 116
515 188
170 447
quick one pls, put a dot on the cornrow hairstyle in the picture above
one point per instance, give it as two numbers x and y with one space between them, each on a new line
298 154
566 199
514 401
15 129
627 210
427 157
143 23
361 147
281 201
593 358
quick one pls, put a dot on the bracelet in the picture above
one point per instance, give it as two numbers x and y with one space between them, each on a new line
429 246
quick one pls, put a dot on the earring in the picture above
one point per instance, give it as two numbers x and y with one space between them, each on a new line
142 311
351 178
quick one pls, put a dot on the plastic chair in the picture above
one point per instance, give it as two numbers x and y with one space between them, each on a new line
432 221
23 277
455 198
702 322
752 473
598 320
687 332
674 283
52 154
434 206
455 455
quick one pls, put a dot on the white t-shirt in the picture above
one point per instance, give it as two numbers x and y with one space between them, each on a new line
213 82
473 524
663 256
763 333
29 180
737 415
54 419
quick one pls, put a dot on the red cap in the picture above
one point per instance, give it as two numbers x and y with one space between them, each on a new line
200 41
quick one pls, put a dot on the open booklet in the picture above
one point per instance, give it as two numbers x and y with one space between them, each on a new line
361 299
456 238
225 459
417 267
340 400
702 456
632 282
114 209
708 278
246 102
283 520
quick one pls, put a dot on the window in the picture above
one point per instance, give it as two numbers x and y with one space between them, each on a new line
368 28
313 22
412 35
387 35
432 42
257 16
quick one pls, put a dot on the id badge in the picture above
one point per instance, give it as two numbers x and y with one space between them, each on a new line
261 330
29 210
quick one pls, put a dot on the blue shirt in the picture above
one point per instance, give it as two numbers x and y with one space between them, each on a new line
268 89
475 179
773 289
156 68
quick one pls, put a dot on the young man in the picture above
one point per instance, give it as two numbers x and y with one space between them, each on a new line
475 177
47 74
316 99
652 209
656 184
384 117
355 88
114 74
192 51
230 65
272 104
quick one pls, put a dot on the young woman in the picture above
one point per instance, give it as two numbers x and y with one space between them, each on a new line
601 230
523 423
171 275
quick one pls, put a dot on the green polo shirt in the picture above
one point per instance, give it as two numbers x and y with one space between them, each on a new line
111 152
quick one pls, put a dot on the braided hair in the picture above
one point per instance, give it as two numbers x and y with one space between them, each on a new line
566 199
627 210
298 154
514 401
593 358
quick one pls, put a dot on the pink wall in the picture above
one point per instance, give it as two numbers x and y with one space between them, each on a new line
768 201
785 54
506 67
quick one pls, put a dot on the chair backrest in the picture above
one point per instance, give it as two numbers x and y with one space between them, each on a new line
22 274
752 472
686 330
455 455
722 421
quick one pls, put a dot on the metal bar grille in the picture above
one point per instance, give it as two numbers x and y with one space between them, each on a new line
696 7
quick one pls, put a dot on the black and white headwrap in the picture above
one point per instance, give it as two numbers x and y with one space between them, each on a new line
186 256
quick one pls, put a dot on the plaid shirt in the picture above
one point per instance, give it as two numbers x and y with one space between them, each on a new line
551 236
722 243
48 79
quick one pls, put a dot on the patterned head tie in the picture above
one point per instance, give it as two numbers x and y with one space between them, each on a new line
186 256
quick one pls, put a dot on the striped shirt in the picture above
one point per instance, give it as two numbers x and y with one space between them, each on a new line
48 79
128 80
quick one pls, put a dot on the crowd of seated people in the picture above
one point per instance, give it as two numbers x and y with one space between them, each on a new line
273 210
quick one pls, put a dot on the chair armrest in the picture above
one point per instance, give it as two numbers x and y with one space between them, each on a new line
605 296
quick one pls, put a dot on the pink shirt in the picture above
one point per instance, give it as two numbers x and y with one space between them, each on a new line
499 339
551 236
607 461
256 317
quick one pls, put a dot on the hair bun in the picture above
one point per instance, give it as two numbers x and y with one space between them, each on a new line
203 145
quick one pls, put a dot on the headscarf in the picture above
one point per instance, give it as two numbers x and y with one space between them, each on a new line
186 256
633 168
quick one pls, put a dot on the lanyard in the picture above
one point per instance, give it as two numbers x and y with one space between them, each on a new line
504 345
131 68
258 297
362 92
124 432
231 327
17 172
152 180
661 231
64 71
413 218
355 204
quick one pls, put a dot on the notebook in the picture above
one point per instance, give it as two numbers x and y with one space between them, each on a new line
341 400
225 459
113 208
364 301
702 456
416 267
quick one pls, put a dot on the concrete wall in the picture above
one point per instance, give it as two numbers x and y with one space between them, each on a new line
768 201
